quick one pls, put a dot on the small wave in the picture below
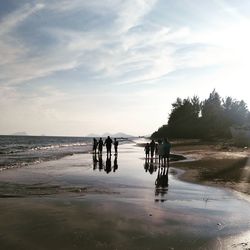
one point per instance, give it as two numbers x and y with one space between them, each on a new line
30 159
19 151
56 146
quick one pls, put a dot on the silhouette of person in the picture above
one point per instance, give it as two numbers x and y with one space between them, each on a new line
166 151
108 165
152 148
160 152
94 162
100 162
116 146
156 148
100 146
147 149
95 143
108 143
115 164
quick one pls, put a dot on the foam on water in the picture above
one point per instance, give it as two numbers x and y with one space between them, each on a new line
18 151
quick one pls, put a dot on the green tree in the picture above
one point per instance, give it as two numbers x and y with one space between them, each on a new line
184 118
235 112
162 132
212 118
211 112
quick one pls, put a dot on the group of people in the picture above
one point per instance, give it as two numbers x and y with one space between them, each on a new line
98 145
162 149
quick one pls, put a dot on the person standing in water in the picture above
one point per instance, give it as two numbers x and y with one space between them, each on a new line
95 143
116 146
147 149
152 148
108 143
100 146
160 151
156 149
166 151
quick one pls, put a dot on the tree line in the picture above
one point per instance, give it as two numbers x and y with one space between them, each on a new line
208 119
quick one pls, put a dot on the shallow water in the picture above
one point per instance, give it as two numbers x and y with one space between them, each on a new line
18 151
204 217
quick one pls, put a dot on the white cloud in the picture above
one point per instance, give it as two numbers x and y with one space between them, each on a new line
131 50
15 18
131 12
72 5
20 65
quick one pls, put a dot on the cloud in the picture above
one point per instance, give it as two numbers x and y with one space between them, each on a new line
10 48
12 20
70 48
131 12
111 41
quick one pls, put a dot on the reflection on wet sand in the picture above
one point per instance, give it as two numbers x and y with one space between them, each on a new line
150 166
161 184
115 164
95 161
107 167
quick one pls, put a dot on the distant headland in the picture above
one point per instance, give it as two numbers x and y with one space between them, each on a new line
20 133
120 134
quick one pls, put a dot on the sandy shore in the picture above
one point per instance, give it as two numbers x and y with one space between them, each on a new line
77 203
215 164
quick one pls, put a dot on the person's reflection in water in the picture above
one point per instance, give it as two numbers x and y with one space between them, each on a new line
152 166
94 162
146 165
108 165
100 162
161 184
115 164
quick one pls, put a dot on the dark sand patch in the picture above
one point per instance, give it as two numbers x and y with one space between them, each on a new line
14 190
216 165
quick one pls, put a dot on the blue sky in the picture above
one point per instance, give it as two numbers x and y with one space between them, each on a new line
74 67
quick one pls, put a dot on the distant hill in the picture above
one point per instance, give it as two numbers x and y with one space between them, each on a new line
92 135
118 135
122 135
20 133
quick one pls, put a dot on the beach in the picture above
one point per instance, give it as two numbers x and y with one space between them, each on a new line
216 164
78 202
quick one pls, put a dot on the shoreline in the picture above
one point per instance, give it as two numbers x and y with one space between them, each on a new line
204 164
216 166
212 164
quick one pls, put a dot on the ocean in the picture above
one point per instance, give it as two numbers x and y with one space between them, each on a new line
18 151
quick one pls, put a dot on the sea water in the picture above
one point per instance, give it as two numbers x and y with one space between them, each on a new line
17 151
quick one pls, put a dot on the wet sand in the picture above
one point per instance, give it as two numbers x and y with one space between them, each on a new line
72 204
215 164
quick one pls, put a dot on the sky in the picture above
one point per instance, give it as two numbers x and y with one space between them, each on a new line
74 67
